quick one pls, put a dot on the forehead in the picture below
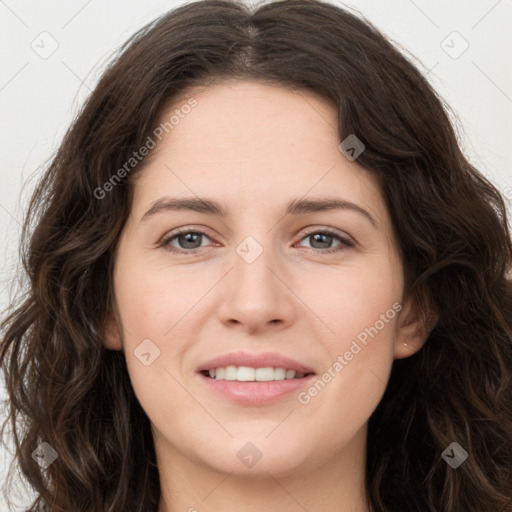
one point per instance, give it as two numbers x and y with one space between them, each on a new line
247 115
244 140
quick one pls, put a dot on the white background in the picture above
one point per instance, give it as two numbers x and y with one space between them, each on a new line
39 97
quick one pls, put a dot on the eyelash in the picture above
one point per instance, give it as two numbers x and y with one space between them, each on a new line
165 242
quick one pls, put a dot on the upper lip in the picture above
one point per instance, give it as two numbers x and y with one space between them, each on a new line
262 360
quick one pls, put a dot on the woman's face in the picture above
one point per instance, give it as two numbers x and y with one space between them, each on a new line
272 276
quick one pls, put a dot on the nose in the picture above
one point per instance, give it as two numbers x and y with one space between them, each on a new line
257 295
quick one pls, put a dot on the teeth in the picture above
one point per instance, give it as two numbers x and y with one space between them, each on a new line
230 373
248 374
279 373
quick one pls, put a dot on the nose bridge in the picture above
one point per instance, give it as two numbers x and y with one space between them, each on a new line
256 295
253 261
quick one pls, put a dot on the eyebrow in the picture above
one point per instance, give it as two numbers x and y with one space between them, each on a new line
294 207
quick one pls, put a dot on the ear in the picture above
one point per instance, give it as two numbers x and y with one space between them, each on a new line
112 334
414 326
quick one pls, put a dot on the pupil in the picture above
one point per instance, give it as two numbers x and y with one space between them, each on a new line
329 237
188 241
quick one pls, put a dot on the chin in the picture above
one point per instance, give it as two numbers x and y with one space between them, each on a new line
257 459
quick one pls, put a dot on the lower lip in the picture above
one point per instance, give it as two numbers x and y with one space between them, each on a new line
256 393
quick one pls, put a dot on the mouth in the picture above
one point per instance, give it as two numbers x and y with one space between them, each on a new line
248 386
254 379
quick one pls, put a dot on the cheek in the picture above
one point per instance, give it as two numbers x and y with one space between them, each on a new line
152 308
152 300
350 300
359 311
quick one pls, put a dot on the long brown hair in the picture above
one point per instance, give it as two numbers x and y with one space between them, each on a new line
67 390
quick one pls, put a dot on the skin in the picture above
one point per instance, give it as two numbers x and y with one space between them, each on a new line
253 148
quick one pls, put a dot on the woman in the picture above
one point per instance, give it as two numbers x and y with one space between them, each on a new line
263 276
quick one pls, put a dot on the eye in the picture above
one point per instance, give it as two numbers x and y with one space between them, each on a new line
187 239
325 238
